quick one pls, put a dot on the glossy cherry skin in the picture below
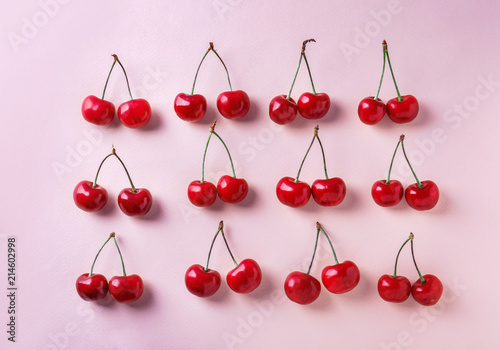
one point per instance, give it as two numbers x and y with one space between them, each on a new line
134 113
190 108
291 193
135 204
126 289
313 106
387 194
97 111
424 197
402 111
394 290
88 198
427 293
302 288
202 194
231 189
200 282
340 278
244 278
233 104
92 288
281 110
328 192
371 111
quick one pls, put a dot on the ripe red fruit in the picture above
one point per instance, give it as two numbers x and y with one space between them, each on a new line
200 282
92 288
202 194
302 288
429 292
232 190
282 110
404 110
89 198
135 113
136 202
126 289
245 277
371 111
190 108
394 289
387 194
97 111
340 278
328 192
423 197
292 193
233 104
313 106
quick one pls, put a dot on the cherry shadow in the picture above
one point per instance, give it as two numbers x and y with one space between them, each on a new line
146 301
252 114
221 295
155 213
107 302
250 199
264 290
210 115
109 209
156 122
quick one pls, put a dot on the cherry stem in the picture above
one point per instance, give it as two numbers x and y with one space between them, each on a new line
314 253
302 55
386 53
307 63
397 256
227 72
422 279
318 225
199 66
227 150
315 136
401 138
99 169
124 167
408 161
316 130
92 268
121 257
221 225
383 72
109 74
294 78
125 73
205 153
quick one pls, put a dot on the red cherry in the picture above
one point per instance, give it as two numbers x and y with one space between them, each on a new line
403 111
281 110
134 113
190 108
231 189
302 288
97 111
394 290
135 203
291 193
328 192
429 292
89 198
387 194
424 197
233 104
313 106
340 278
200 282
244 278
371 111
202 194
126 289
92 288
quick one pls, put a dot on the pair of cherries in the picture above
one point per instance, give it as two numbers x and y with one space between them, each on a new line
229 188
427 290
283 109
204 282
302 288
401 110
91 197
422 195
325 192
134 113
231 104
124 289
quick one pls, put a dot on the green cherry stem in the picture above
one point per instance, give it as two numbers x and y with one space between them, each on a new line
121 257
386 53
221 226
315 136
124 167
422 279
99 169
99 252
307 63
383 71
227 150
302 55
125 73
397 256
205 152
314 253
199 66
227 72
401 138
109 74
318 226
408 161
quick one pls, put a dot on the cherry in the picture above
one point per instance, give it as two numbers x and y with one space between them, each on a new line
89 196
136 202
200 282
231 189
233 104
292 192
190 108
282 110
245 277
313 105
371 110
429 292
328 192
302 288
202 194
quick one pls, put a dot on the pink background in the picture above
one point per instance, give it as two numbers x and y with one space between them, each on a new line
443 53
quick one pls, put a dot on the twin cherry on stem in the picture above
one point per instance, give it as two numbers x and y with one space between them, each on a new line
124 289
427 290
422 195
91 197
283 109
204 282
402 109
326 192
229 188
134 113
231 104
